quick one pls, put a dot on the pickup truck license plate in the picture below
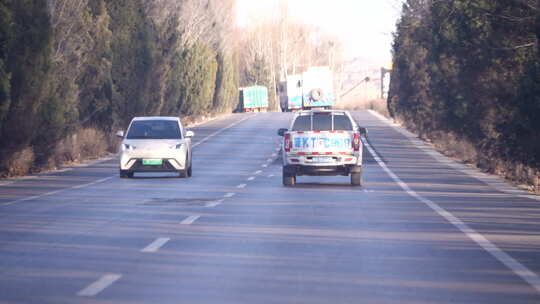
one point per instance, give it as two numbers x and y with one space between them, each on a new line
322 160
152 162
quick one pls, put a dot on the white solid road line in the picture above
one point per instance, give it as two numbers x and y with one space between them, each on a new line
99 285
520 270
56 191
219 131
93 183
190 220
66 169
155 245
494 181
40 176
241 186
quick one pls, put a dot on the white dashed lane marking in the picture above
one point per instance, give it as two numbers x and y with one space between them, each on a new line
251 178
56 191
155 245
99 285
190 220
230 194
241 186
214 203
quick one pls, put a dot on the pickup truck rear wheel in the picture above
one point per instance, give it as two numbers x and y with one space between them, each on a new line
288 179
356 179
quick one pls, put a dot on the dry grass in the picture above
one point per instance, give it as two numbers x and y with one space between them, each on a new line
378 105
525 177
462 149
455 147
18 163
86 143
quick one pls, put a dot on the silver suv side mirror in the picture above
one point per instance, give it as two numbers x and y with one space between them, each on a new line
190 134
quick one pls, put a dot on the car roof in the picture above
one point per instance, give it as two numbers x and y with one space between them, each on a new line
156 118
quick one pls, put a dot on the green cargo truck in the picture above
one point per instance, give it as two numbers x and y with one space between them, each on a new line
254 99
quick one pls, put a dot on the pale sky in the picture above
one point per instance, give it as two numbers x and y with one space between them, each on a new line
365 26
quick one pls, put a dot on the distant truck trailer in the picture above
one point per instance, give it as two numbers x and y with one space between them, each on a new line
254 99
312 89
291 93
318 88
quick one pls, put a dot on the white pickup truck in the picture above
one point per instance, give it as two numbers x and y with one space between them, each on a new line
322 143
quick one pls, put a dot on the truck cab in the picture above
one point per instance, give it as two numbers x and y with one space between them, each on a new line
322 142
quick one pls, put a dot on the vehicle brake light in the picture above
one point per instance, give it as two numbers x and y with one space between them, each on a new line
287 144
356 142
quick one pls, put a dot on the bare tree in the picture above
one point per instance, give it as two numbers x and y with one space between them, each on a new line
65 17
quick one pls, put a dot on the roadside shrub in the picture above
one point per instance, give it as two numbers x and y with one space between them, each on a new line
18 163
83 144
452 145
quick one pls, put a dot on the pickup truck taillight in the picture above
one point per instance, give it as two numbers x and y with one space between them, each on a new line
356 142
287 143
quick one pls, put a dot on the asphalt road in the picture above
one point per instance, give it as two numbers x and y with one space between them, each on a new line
418 231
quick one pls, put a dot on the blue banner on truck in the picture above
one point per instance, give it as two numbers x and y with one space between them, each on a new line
323 142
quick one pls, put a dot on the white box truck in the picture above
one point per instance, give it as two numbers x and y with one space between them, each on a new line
318 88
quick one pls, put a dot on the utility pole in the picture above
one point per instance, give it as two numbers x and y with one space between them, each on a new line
367 79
